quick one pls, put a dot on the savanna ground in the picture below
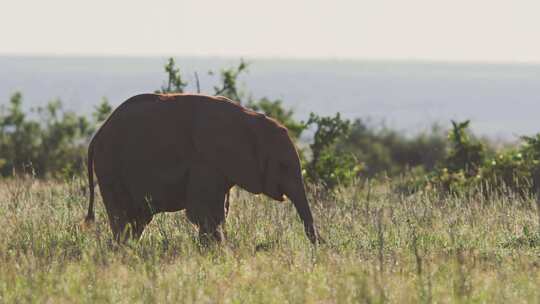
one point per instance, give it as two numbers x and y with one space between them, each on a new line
380 247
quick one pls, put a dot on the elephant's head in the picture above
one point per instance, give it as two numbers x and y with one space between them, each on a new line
254 152
280 169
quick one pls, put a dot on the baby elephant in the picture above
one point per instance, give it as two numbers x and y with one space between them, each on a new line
163 153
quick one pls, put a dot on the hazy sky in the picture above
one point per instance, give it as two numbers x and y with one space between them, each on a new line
470 30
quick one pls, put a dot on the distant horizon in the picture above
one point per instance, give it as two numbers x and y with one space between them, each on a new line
501 99
397 60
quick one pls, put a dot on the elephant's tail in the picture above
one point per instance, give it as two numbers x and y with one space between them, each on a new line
90 215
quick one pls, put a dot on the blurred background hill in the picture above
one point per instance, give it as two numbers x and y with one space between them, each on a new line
503 100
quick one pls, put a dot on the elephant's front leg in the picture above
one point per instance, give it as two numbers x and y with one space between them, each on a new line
206 202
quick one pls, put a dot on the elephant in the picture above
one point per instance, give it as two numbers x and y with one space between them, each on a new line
170 152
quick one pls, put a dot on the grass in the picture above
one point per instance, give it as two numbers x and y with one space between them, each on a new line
380 247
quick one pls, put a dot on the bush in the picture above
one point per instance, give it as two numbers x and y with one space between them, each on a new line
471 165
229 82
382 151
175 84
466 155
328 165
50 142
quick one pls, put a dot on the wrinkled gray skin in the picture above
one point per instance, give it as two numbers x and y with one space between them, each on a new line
164 153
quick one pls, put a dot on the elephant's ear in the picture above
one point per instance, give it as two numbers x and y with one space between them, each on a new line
272 177
223 135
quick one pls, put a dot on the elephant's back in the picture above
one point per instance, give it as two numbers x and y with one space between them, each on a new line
149 108
144 135
148 125
144 115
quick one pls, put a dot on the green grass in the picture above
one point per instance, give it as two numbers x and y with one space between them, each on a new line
388 248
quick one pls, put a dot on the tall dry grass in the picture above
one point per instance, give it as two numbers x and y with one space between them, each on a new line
380 247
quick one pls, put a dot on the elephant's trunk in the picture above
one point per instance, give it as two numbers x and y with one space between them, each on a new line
301 204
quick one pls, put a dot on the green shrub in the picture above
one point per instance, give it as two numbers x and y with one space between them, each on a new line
508 171
466 155
329 165
530 151
382 151
460 169
175 84
50 141
471 165
229 82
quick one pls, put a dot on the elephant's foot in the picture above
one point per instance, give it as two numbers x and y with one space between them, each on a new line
128 226
124 231
313 234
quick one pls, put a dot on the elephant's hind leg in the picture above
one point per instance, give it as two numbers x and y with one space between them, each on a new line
137 213
117 219
127 219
